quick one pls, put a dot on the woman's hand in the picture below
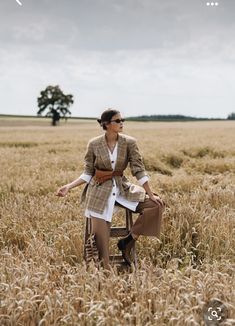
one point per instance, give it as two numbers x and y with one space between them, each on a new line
63 191
154 197
157 200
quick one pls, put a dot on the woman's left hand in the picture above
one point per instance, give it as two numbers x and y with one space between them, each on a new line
157 200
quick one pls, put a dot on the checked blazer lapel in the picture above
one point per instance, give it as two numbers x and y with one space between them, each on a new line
104 154
121 152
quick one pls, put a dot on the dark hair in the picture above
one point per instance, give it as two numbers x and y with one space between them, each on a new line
106 116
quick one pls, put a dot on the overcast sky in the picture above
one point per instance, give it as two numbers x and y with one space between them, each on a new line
139 56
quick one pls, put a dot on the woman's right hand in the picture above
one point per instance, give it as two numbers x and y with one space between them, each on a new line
62 191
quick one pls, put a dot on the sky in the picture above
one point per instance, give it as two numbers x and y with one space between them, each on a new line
137 56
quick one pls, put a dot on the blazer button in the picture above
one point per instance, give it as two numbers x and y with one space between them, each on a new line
114 194
112 161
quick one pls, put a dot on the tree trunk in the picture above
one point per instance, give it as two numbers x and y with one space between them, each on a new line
53 123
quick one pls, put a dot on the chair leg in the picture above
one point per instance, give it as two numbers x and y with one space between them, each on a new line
129 223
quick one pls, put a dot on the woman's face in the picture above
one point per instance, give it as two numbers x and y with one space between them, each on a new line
115 124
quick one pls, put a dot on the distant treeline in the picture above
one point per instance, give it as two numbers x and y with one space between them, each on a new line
42 117
170 117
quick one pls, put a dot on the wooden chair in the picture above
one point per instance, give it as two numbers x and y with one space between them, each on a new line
115 232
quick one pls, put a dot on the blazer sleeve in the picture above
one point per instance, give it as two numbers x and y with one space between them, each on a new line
136 162
89 159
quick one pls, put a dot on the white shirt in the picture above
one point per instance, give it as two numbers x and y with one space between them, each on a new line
114 195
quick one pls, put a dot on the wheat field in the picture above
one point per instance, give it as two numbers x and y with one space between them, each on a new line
44 280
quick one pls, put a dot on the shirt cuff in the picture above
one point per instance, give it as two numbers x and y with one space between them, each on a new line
143 180
85 177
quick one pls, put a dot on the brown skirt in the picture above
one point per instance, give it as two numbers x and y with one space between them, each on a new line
149 220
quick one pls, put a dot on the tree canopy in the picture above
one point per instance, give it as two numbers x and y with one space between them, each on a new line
55 102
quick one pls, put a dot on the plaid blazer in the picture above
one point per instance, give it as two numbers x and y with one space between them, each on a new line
97 157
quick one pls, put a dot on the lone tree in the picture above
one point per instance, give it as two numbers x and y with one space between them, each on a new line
56 102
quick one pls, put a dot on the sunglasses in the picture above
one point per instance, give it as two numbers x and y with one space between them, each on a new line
117 120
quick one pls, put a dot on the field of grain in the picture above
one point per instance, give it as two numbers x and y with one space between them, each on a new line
44 280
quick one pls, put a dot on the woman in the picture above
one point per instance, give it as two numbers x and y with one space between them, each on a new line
106 159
